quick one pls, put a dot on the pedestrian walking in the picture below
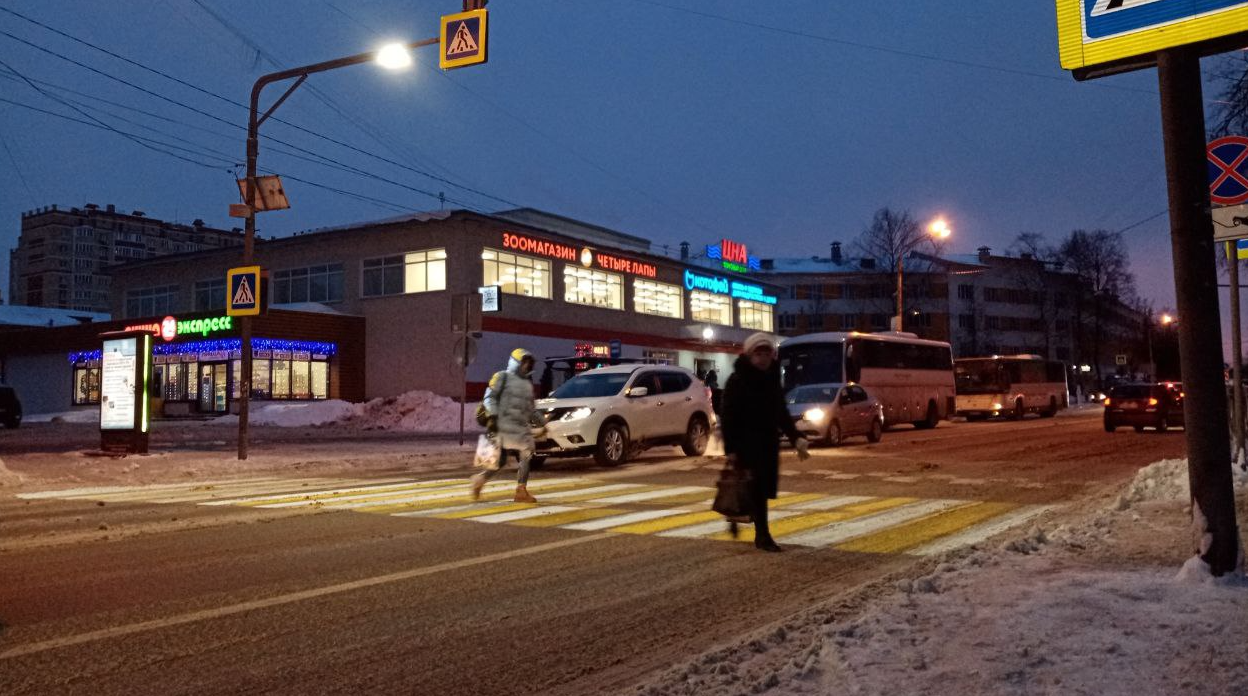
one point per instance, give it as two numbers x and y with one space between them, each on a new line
512 415
754 416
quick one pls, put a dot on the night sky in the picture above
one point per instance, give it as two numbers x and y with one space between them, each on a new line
781 125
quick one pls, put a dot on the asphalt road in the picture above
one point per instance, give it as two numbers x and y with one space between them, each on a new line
615 575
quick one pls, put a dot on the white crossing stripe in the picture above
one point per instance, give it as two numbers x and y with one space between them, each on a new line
842 531
978 533
830 503
524 514
617 520
651 495
717 526
457 490
340 491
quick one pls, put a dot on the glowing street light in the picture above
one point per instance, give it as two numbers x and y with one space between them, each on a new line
939 229
1167 320
394 56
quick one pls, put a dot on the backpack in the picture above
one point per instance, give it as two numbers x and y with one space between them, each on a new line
482 415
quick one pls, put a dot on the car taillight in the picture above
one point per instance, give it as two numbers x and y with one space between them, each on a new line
1109 402
1152 401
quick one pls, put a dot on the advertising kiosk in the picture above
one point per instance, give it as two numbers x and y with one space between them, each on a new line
124 368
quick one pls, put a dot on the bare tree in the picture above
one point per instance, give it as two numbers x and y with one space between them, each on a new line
891 237
1230 112
1038 257
1099 260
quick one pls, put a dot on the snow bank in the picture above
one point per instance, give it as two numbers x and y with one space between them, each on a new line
414 411
294 415
9 477
1166 480
90 415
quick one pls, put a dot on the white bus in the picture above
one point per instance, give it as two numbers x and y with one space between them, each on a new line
912 377
1010 385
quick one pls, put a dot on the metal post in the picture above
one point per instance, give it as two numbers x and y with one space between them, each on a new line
1196 291
1237 367
900 259
463 391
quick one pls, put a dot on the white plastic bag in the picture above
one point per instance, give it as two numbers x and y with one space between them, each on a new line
488 453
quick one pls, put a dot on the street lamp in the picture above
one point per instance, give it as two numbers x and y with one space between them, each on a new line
938 229
391 56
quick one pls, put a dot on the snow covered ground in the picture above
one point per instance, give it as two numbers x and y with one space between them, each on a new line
1102 604
414 411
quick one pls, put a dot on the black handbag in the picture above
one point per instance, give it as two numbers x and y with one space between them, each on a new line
732 495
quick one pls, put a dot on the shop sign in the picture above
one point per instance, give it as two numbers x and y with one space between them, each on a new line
262 354
281 355
320 356
236 354
170 328
189 357
591 350
733 256
532 245
160 359
616 263
302 355
214 355
723 286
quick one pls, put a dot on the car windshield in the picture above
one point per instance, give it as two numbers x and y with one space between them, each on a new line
811 363
979 377
592 385
1132 391
811 395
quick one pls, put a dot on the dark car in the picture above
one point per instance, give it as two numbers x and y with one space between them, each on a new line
1142 406
10 407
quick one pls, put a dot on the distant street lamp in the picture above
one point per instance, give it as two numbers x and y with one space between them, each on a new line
1167 320
938 229
707 334
392 56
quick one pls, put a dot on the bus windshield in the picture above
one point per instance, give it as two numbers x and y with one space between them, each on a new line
812 363
980 377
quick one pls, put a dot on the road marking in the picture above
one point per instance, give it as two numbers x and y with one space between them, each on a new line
70 493
904 536
831 502
709 529
459 489
665 523
652 495
340 493
594 525
837 532
289 598
559 519
976 534
532 511
802 522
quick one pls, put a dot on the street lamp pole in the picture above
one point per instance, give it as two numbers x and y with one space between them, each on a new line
938 229
249 235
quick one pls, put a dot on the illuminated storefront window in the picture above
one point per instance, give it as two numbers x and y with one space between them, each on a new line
710 308
593 288
515 274
755 315
658 298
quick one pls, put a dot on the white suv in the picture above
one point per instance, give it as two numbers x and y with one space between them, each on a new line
613 411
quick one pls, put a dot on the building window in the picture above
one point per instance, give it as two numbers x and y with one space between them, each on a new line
966 321
879 321
761 317
658 298
311 284
515 274
966 292
594 288
209 294
814 322
86 385
417 271
849 322
147 302
710 308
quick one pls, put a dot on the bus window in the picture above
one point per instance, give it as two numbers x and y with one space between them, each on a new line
980 377
811 363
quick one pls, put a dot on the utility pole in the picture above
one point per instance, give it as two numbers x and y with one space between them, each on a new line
1200 333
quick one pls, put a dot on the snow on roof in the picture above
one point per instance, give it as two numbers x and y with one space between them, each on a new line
853 264
23 315
316 307
425 216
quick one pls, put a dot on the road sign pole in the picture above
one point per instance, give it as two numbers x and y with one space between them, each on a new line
463 391
1195 279
1237 367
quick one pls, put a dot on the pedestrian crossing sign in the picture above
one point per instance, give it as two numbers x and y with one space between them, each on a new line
244 287
462 40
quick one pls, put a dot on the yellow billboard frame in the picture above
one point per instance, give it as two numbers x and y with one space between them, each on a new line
1079 54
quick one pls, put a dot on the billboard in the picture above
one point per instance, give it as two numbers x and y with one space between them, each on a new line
1097 37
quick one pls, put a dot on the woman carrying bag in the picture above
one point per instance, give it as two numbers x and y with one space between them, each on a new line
754 415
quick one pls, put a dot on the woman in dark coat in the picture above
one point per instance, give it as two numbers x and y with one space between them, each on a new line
753 418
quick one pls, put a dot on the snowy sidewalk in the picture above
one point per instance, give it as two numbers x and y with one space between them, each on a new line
1098 605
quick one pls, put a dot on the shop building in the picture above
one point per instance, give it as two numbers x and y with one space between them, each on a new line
566 289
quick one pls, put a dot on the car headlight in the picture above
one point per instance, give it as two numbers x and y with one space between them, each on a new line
814 415
577 414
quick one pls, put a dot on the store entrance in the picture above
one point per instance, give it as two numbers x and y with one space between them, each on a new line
214 386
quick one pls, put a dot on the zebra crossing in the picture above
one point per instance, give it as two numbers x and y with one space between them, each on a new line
866 524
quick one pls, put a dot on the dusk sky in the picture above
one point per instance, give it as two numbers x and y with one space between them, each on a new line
784 127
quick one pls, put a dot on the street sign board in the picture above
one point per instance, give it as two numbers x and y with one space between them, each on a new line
243 288
617 348
489 298
1228 170
269 195
1120 359
1098 37
463 38
465 351
1230 222
465 313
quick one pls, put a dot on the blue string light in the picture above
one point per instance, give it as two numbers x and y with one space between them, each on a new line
226 345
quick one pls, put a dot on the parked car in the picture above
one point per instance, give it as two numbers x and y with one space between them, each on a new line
613 412
1142 406
10 407
833 412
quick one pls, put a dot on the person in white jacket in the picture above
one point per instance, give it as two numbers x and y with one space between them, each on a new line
509 401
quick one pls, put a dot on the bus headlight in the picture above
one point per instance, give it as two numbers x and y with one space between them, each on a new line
996 407
814 415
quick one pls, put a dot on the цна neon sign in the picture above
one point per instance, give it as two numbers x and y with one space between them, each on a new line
733 255
732 288
170 327
539 246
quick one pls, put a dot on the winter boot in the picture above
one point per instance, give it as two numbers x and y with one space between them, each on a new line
478 482
522 495
767 544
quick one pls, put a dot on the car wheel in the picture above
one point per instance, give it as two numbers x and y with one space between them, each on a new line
1051 410
612 448
696 437
876 431
932 419
1161 425
12 423
834 434
1109 427
1019 411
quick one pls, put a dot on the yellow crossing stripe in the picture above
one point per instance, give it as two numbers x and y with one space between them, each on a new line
398 489
913 533
488 495
569 517
481 511
793 525
663 524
